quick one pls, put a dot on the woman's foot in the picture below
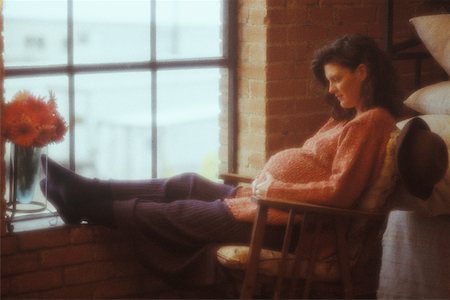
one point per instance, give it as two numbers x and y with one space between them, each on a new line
77 198
53 195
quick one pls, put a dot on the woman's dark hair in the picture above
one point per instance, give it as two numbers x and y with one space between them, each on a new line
380 88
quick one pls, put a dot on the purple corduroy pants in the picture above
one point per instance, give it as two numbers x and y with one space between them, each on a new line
177 222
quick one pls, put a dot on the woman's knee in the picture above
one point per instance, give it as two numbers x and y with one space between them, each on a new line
185 179
180 186
191 185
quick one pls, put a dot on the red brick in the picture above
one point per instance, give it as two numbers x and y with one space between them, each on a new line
33 295
20 263
310 33
356 14
320 16
70 292
127 268
277 35
82 234
44 238
90 272
283 70
70 255
281 107
118 288
276 3
302 69
280 88
118 250
5 286
300 88
278 16
36 281
292 15
9 244
339 2
278 125
280 53
312 105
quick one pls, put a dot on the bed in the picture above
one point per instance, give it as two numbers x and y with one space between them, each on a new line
416 242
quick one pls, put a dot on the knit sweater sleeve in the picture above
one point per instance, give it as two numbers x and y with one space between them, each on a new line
358 158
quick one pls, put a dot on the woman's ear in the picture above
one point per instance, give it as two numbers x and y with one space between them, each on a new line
362 71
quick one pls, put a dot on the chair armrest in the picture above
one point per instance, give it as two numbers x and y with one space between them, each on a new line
316 208
234 179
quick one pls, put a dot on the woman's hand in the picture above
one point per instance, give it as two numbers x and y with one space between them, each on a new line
261 184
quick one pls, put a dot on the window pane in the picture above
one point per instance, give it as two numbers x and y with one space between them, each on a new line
111 31
188 121
113 125
35 32
188 28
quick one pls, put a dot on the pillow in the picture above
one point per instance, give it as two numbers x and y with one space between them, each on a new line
432 99
434 33
439 202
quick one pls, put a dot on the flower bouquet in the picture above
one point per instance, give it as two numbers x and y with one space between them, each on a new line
29 123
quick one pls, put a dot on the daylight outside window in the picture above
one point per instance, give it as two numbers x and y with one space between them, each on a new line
139 82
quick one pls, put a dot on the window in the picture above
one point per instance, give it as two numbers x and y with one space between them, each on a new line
139 82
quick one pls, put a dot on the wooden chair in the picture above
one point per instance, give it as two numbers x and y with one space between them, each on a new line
352 272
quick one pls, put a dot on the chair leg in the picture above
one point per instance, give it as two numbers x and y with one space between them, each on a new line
311 256
344 262
284 255
255 249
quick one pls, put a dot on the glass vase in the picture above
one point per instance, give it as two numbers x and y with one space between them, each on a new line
26 168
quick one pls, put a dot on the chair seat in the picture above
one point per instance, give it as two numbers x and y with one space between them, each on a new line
236 257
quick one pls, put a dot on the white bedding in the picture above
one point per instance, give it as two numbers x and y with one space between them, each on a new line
416 257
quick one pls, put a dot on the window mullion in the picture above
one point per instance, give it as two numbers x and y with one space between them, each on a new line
230 51
71 84
153 96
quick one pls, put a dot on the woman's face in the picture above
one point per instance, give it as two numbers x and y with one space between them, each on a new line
345 84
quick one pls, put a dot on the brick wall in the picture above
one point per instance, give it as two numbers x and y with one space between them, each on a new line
252 34
73 262
279 105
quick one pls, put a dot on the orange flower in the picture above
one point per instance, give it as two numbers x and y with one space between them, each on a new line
30 121
24 132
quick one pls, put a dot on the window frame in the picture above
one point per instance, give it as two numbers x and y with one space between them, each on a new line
227 61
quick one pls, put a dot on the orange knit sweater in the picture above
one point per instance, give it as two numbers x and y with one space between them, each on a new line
333 167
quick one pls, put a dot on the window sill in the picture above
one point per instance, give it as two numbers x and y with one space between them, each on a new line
45 222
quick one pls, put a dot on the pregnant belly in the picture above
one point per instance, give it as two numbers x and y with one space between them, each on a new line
296 166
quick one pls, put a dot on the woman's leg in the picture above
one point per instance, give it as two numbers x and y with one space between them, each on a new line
180 237
76 197
183 222
183 186
188 223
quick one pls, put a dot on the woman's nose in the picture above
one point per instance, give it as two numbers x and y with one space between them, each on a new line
331 89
